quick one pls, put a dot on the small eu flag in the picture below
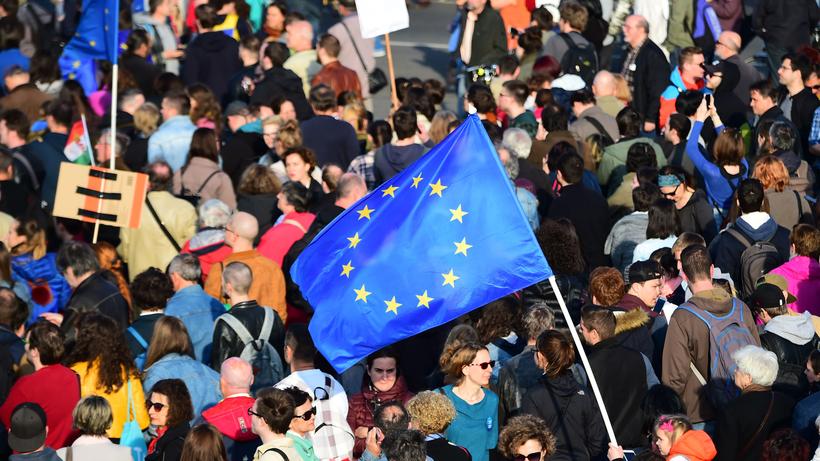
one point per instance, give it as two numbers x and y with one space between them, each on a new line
441 238
97 37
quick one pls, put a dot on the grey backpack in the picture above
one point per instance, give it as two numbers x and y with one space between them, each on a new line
757 259
265 361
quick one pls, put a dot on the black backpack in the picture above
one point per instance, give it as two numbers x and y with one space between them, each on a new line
580 60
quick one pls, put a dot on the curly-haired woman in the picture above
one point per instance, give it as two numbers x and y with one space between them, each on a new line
526 437
431 413
102 360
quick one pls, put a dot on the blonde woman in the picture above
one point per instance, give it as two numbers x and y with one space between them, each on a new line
146 121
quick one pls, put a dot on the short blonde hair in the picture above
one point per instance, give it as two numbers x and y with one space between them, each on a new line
92 415
146 118
432 412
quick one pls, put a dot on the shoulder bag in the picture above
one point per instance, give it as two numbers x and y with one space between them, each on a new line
376 80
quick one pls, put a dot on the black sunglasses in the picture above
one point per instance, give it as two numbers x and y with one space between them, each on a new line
671 194
156 405
484 365
307 415
530 457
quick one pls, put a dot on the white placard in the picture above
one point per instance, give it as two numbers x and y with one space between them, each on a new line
379 17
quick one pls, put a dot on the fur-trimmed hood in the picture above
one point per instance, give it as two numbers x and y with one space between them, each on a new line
630 320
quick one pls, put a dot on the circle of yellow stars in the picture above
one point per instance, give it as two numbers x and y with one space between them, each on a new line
448 279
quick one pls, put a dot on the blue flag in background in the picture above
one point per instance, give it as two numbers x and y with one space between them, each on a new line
443 237
97 37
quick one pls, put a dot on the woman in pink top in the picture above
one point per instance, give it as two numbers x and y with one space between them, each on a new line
293 201
802 272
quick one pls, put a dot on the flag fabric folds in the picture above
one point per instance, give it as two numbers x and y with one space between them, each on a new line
97 37
441 238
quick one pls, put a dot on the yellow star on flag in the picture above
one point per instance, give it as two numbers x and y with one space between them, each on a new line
458 214
361 294
365 212
391 191
354 240
72 76
450 279
92 43
424 300
416 181
346 268
392 306
75 64
437 188
462 246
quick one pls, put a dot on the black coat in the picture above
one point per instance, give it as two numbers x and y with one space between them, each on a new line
791 360
440 449
169 446
785 23
333 141
226 343
100 294
574 289
571 415
649 80
262 207
696 216
211 58
804 104
589 212
738 422
143 72
240 151
283 82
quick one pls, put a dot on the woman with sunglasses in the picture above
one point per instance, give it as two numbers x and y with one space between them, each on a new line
302 424
526 438
570 412
382 383
170 410
475 426
693 207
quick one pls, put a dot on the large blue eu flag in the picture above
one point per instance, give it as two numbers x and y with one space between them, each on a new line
441 238
97 37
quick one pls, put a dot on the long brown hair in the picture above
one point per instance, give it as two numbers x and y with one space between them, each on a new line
204 443
460 358
170 336
557 351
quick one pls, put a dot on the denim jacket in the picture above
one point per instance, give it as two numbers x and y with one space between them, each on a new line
172 141
198 311
201 380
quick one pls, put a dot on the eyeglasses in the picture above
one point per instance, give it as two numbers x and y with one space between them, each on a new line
671 194
155 405
484 365
815 87
253 413
308 415
530 457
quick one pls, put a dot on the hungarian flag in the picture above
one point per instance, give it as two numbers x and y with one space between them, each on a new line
78 147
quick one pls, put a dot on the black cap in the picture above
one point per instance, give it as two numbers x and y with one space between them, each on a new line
766 296
28 428
643 271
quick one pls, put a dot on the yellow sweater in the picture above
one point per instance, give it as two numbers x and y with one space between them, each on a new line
117 399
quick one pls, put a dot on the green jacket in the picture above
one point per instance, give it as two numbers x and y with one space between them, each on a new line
615 156
681 23
303 446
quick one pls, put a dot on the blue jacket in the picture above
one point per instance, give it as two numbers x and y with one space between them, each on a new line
198 311
719 188
172 141
201 380
41 273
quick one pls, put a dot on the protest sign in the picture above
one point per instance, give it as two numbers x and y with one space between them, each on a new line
380 17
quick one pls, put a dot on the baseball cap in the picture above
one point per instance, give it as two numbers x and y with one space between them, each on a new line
28 427
780 282
643 271
237 108
766 296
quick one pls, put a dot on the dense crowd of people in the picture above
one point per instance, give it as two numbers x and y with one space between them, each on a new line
670 182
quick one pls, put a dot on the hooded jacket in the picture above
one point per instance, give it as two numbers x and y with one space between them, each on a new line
391 160
632 328
279 81
726 249
687 341
692 446
677 85
49 290
791 338
571 415
212 58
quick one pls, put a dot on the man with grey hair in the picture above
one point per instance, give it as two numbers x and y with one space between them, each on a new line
192 305
230 416
604 87
304 61
208 244
520 372
525 197
237 279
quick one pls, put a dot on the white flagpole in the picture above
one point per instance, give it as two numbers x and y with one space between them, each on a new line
592 382
113 141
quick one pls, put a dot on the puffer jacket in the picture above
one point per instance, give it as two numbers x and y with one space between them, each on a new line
791 338
692 446
49 290
363 404
230 417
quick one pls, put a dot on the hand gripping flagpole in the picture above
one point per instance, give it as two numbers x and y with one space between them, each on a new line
580 347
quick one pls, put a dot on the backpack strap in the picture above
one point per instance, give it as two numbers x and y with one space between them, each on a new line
206 181
742 453
295 224
135 334
799 205
240 330
740 237
278 452
568 40
267 324
600 129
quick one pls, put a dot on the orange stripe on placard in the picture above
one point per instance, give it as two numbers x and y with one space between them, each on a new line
91 203
139 198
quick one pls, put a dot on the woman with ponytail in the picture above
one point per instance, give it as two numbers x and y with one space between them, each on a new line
33 266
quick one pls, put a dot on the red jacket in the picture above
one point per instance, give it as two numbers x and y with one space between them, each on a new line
276 242
231 417
57 390
362 405
208 255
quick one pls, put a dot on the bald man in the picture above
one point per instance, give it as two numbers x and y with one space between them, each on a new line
230 416
727 48
268 287
604 88
304 61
